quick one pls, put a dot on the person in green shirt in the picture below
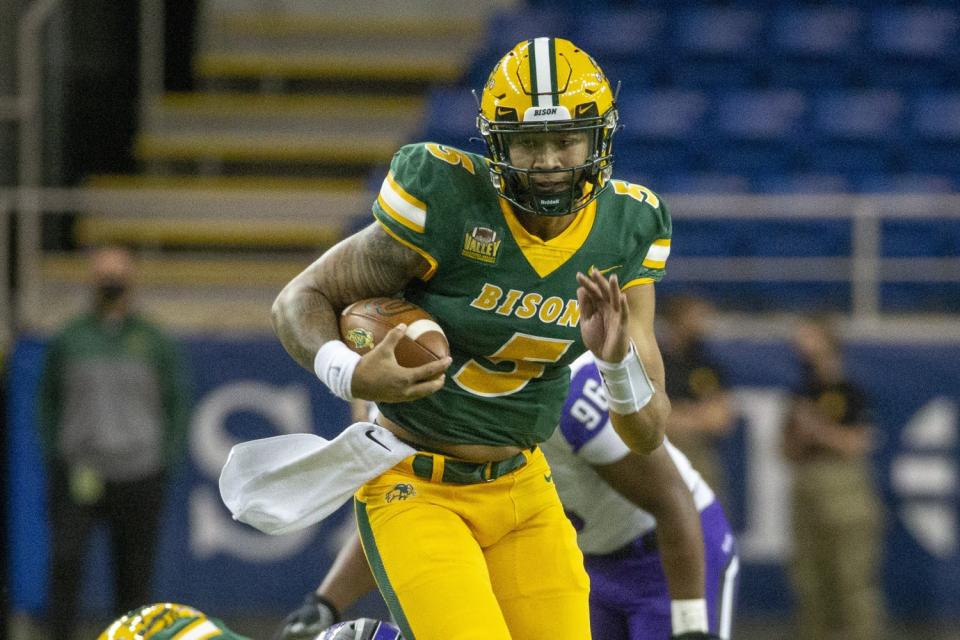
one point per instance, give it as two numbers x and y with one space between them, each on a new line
112 412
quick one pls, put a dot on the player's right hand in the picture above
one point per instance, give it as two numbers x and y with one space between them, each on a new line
305 623
380 378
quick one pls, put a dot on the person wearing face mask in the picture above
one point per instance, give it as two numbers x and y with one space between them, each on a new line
112 417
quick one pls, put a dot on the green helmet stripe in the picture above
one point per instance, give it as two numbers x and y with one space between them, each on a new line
543 72
533 73
554 89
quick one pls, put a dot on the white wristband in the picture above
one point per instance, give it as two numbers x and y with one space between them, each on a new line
626 383
334 365
688 615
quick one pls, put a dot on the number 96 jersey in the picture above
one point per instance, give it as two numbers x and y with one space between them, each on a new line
506 299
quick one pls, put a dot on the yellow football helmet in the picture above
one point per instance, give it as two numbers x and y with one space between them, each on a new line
145 622
544 85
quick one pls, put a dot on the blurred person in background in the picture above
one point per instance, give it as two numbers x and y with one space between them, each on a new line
837 513
113 411
702 414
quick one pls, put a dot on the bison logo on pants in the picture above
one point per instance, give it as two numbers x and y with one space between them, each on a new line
401 492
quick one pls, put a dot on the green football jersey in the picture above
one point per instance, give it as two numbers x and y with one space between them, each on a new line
168 621
200 628
506 299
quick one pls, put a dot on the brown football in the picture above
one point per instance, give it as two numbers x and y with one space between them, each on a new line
365 323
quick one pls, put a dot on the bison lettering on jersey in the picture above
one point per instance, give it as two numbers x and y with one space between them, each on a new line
526 305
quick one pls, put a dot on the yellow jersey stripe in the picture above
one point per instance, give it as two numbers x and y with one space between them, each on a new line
396 215
402 207
657 254
426 256
635 282
400 191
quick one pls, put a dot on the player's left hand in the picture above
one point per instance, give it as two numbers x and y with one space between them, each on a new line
312 617
604 316
695 635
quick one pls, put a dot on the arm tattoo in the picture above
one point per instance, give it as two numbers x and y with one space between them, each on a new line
367 264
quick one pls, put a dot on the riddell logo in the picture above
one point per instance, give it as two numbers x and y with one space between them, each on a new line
552 111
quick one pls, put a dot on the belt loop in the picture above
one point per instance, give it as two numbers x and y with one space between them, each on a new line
487 472
439 463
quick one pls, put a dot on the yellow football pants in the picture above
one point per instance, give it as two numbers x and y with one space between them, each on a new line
488 561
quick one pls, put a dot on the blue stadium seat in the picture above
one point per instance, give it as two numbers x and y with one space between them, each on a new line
755 131
936 117
800 238
914 297
635 157
855 132
712 74
702 183
787 183
508 28
911 47
857 115
663 114
917 238
812 47
923 32
934 125
821 32
717 32
803 297
707 237
633 75
760 115
903 183
451 116
715 47
619 34
660 129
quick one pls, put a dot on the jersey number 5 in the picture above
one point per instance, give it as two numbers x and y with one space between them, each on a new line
524 352
451 156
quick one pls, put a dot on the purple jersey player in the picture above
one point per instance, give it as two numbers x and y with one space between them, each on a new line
639 581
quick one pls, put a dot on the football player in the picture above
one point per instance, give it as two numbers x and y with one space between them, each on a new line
658 548
655 567
526 257
169 621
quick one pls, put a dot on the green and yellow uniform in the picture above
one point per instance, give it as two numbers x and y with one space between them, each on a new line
168 621
508 305
506 299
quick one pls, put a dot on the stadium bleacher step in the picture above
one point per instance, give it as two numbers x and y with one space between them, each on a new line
242 213
190 292
275 157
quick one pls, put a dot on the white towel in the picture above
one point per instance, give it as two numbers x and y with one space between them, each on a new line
285 483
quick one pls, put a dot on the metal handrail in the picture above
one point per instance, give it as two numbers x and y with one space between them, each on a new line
30 160
152 54
864 267
6 314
